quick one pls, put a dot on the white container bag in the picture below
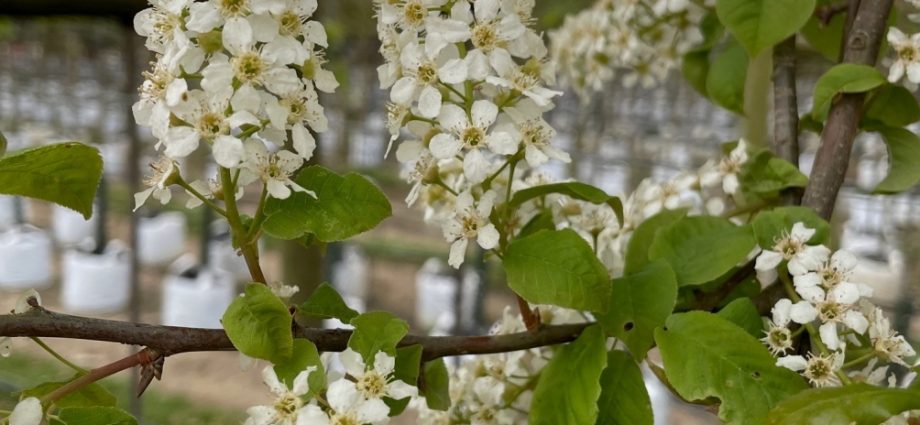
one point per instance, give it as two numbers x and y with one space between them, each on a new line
96 283
161 238
196 300
25 258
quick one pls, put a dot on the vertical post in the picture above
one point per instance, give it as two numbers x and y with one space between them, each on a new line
134 152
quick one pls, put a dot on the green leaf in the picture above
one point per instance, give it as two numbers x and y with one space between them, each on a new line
577 190
726 78
642 238
376 331
703 248
770 225
559 268
408 361
436 385
858 404
259 325
843 78
304 355
892 105
541 221
767 175
639 303
91 395
743 313
825 39
64 173
903 160
327 303
96 416
695 68
761 24
624 399
707 356
569 386
344 207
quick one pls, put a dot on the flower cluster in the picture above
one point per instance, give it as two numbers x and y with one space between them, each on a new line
644 38
907 61
357 398
233 75
468 79
823 294
498 388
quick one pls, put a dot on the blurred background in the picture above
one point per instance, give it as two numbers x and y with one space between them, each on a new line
70 72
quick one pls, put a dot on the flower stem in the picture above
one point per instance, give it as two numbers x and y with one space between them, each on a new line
57 356
250 250
210 204
859 360
256 227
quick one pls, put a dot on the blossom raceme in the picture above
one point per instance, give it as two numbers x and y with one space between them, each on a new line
229 75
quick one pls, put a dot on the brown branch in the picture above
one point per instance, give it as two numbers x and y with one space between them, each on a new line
785 109
862 47
825 13
170 340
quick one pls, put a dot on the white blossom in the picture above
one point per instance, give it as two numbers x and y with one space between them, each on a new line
288 404
376 380
792 247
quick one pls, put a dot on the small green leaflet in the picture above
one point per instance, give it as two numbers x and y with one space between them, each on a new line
644 236
624 399
344 207
435 385
569 386
726 78
761 24
903 160
843 78
858 404
259 325
892 105
64 173
770 225
376 331
743 313
557 267
325 302
708 356
305 355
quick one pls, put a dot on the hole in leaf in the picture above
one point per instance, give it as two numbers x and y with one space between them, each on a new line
755 375
628 326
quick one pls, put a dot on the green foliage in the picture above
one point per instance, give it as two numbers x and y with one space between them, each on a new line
304 355
96 416
770 225
376 331
92 395
743 313
64 173
576 190
624 399
707 356
903 160
825 39
644 235
259 325
892 105
569 386
761 24
557 267
766 175
701 249
639 303
542 221
435 385
843 78
325 302
408 361
726 78
344 207
858 404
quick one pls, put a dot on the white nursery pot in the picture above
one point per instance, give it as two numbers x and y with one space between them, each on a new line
96 283
435 296
160 238
197 302
114 156
25 258
7 212
70 228
350 276
222 256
